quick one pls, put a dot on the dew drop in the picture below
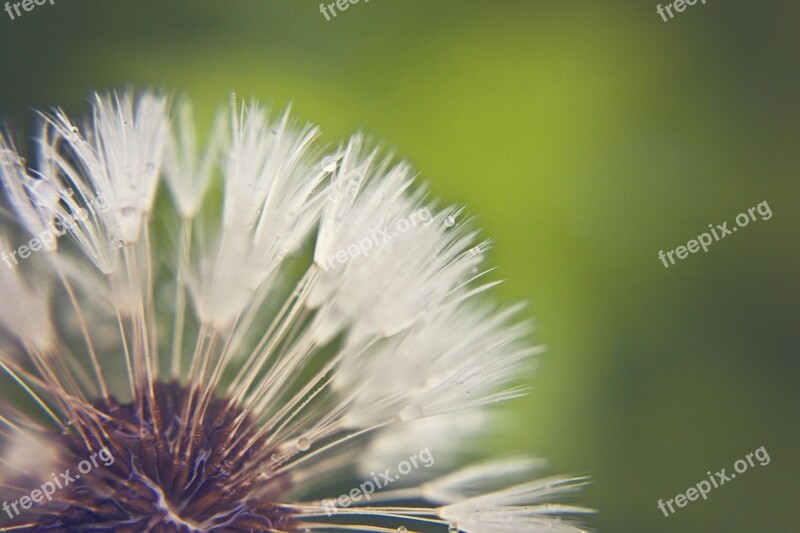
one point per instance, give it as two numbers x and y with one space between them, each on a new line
329 163
450 221
45 193
474 251
117 243
411 411
128 215
402 529
303 444
453 528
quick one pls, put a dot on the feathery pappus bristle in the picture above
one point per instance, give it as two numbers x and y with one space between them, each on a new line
203 362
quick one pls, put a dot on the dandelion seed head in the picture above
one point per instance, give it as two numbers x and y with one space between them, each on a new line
214 363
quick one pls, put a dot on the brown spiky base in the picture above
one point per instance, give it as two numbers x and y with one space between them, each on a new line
170 472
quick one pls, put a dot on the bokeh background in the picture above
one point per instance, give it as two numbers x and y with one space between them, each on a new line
586 136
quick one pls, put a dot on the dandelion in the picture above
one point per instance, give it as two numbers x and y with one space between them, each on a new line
189 333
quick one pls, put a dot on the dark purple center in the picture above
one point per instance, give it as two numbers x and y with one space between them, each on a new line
170 472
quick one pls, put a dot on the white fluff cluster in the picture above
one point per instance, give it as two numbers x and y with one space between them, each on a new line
335 368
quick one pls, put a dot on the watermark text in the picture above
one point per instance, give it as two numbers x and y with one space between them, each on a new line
718 232
714 481
379 481
59 482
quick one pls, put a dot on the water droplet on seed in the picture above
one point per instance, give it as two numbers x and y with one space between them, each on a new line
452 528
329 163
303 444
450 221
402 529
411 411
45 193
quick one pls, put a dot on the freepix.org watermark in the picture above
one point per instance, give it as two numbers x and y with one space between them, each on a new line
27 5
376 238
678 5
60 481
714 481
342 5
379 481
718 232
49 236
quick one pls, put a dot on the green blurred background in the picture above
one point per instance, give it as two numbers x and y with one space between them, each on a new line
587 136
